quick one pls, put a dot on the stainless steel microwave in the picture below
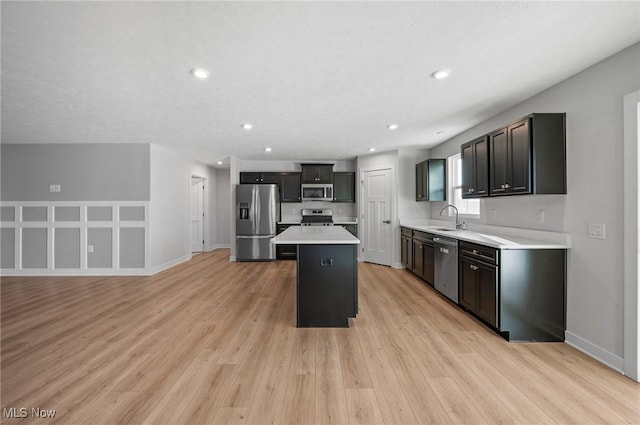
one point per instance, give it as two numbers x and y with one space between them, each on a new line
317 192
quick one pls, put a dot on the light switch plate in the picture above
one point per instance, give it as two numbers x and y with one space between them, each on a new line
90 249
597 231
54 188
540 216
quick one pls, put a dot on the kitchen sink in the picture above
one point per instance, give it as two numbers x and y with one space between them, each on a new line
445 230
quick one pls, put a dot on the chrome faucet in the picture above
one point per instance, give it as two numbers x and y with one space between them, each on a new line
459 224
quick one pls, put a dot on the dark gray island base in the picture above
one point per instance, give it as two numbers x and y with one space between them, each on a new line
326 285
326 275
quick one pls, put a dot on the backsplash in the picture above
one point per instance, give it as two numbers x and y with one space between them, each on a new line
292 211
537 212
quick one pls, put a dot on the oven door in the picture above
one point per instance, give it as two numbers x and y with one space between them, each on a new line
317 192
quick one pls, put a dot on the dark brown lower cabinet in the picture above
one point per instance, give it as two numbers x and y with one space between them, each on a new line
351 228
479 289
518 292
406 248
416 253
418 257
285 252
428 263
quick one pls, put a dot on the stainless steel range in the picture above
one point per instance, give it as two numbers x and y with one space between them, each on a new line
320 217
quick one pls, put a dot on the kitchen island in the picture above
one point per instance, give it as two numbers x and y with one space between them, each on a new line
326 274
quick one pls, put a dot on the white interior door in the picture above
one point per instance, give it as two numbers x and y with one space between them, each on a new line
197 214
377 217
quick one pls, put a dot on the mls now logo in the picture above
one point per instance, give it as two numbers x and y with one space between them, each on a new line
23 412
14 412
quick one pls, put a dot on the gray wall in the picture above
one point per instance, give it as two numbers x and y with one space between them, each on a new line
593 101
169 232
404 160
85 172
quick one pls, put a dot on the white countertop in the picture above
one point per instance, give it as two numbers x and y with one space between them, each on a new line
345 220
315 235
499 237
293 221
336 220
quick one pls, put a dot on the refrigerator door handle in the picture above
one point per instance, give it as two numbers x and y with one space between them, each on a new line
256 237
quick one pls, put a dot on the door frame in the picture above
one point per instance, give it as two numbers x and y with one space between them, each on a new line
631 317
205 212
395 235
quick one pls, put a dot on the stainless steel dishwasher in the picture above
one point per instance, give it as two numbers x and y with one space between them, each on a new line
446 267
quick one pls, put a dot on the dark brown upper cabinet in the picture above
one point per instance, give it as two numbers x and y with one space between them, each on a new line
290 187
437 179
252 177
529 156
431 180
475 168
317 173
344 187
422 174
511 159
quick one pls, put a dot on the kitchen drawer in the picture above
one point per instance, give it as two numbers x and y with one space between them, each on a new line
285 252
422 236
479 252
406 232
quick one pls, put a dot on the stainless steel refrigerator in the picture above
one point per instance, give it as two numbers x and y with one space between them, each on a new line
257 211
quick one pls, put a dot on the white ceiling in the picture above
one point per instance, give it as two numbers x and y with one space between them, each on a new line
318 80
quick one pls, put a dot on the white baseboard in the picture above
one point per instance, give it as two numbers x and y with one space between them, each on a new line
397 266
169 264
74 272
232 258
603 356
218 246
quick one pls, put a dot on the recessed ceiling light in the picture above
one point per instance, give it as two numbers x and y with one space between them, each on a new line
441 73
247 126
219 162
200 73
392 126
267 149
372 149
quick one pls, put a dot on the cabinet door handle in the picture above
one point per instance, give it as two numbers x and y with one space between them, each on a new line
472 267
506 186
475 251
501 186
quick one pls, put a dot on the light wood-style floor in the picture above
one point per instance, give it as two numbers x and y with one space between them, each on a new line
214 342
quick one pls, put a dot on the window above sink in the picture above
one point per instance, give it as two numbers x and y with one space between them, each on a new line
466 207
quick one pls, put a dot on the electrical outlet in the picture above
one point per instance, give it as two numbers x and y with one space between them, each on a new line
90 249
540 216
494 214
597 231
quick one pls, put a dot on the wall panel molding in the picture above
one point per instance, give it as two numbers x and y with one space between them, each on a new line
99 255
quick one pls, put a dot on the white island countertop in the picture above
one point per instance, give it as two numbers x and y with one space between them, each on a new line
315 235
